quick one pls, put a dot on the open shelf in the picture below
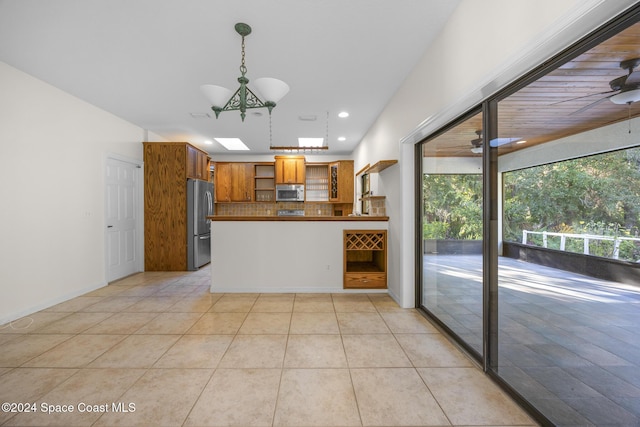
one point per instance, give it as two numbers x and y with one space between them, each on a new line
264 183
363 267
317 183
378 167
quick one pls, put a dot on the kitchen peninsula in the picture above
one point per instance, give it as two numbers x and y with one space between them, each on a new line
287 226
298 254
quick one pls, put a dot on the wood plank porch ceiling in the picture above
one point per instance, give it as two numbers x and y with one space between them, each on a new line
547 109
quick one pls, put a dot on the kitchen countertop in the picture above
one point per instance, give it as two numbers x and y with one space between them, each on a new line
298 218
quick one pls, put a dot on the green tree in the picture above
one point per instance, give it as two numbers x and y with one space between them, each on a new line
562 197
452 206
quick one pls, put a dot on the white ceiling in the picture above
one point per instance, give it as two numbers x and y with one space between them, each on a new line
144 60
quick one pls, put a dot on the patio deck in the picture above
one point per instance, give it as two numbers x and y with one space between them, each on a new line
570 344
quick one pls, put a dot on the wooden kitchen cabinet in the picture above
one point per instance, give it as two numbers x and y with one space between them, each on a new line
341 181
197 164
242 182
289 169
167 165
234 182
365 259
222 182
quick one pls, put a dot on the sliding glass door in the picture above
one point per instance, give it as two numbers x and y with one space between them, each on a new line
529 214
451 285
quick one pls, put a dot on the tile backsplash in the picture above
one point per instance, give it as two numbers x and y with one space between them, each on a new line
377 207
271 209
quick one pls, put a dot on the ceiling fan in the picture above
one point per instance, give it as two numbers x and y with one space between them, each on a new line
476 147
624 89
476 144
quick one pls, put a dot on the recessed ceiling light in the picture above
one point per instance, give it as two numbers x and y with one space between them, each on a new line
343 114
208 142
310 142
342 138
232 144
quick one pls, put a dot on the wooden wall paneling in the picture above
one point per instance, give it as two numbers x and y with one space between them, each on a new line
165 203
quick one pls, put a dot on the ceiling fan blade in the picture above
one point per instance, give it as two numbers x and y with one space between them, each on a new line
633 79
593 104
585 96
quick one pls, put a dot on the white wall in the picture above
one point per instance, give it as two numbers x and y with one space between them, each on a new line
53 148
484 46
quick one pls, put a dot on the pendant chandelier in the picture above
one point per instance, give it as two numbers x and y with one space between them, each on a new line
222 99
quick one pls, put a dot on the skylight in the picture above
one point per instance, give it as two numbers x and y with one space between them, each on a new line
232 144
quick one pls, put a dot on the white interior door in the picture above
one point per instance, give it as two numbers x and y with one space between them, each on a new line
121 219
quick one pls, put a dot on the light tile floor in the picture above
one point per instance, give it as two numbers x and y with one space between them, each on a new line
160 349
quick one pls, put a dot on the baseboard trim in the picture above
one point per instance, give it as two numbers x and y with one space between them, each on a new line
11 317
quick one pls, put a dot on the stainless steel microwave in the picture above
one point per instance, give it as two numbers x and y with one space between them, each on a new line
289 193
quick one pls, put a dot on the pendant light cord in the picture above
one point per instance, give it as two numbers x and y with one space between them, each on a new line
326 141
270 134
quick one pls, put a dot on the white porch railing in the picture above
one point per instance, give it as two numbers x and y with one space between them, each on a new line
585 237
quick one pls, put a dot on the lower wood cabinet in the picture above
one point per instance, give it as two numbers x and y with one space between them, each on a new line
365 259
365 281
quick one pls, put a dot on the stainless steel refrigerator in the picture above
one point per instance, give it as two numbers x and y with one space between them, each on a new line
199 206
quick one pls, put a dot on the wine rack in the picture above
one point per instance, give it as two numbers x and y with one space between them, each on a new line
365 259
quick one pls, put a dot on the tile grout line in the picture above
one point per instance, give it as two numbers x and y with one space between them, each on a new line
216 368
147 369
282 368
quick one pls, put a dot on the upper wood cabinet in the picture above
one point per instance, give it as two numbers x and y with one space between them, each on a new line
289 169
197 164
242 182
234 182
341 181
222 182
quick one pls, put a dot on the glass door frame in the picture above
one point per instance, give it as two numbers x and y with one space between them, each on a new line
418 167
488 360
